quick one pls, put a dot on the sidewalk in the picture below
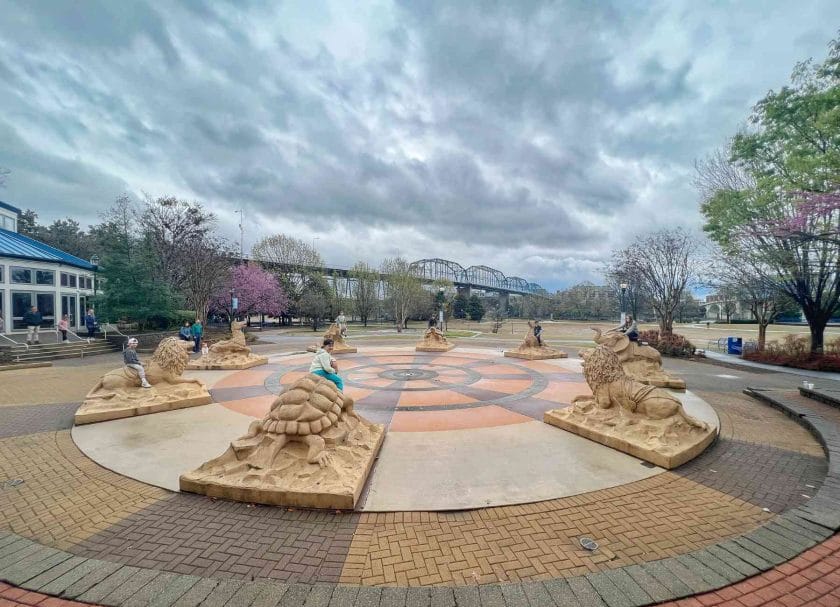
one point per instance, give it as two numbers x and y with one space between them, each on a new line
737 360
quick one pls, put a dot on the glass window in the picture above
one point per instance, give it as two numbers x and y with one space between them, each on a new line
21 302
44 277
72 280
8 223
46 306
64 279
21 276
2 268
2 316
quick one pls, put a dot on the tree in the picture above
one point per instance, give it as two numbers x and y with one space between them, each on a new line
206 269
664 263
28 224
403 289
475 309
293 261
173 228
785 222
257 291
365 290
131 289
459 305
316 300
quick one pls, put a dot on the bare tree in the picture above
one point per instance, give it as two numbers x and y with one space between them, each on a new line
664 263
365 290
404 289
717 173
172 227
206 267
293 261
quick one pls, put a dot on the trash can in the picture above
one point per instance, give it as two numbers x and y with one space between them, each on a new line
734 345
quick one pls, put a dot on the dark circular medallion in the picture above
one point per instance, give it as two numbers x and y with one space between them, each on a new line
408 374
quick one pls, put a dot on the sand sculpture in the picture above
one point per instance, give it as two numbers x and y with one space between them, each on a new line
119 394
339 344
230 353
434 341
310 450
639 419
642 363
531 349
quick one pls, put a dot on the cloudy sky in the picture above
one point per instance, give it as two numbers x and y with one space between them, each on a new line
530 136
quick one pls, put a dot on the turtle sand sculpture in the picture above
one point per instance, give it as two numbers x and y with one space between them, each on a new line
312 411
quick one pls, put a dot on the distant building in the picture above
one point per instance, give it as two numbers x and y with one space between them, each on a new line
35 274
721 307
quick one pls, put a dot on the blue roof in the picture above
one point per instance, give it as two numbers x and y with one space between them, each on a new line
8 207
17 245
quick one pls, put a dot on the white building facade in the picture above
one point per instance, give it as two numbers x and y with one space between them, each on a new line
35 274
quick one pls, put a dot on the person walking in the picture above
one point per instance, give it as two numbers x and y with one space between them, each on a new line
132 362
33 320
325 365
90 323
63 326
197 331
185 333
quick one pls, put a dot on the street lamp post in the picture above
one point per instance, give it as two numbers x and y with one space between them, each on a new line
440 308
623 291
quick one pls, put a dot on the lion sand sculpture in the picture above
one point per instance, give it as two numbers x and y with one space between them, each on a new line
641 362
340 345
230 353
119 394
311 449
530 348
630 416
434 341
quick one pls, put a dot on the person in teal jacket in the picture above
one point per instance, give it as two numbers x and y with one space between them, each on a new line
197 332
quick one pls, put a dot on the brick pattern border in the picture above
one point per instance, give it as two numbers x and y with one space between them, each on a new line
48 571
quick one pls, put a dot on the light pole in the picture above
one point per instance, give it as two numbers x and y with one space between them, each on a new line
441 300
623 291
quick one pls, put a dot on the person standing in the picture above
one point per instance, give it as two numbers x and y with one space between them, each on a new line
63 325
90 323
325 365
33 320
197 332
341 321
132 362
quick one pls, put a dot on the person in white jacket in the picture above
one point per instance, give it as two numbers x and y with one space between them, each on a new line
325 365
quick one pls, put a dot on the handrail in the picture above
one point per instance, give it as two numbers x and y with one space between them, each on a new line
104 326
15 343
73 333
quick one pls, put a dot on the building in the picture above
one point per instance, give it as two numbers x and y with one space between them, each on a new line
35 274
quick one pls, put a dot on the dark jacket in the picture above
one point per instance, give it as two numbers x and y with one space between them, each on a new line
33 319
90 321
130 357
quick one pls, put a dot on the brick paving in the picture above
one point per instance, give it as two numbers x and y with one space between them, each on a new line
68 502
812 578
31 419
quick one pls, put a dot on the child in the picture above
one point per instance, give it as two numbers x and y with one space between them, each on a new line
130 359
326 366
205 347
538 332
63 325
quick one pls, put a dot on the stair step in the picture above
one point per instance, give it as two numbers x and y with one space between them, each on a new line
826 396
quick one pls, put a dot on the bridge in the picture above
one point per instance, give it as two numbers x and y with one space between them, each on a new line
474 277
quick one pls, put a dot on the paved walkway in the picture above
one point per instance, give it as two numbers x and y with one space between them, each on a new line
727 525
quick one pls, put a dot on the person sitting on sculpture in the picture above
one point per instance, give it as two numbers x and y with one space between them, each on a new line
538 333
132 362
629 328
325 365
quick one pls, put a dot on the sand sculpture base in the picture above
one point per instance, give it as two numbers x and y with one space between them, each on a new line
291 480
667 443
141 401
337 349
424 347
229 363
535 353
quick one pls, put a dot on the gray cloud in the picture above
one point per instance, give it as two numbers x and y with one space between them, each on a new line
534 137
